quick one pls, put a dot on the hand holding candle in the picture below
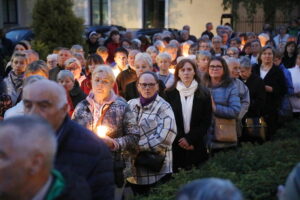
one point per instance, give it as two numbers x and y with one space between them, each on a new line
102 133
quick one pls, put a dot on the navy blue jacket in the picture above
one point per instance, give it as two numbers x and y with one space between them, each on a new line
80 151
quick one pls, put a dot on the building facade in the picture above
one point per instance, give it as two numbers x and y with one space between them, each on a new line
127 13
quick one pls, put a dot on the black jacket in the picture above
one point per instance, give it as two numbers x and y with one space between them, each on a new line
82 152
76 94
131 91
257 92
275 79
53 73
200 122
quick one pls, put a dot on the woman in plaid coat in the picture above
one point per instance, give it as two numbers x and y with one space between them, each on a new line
157 132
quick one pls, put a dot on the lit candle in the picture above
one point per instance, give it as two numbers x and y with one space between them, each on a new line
172 71
116 71
102 131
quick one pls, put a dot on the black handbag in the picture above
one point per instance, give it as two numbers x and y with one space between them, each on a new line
150 160
255 128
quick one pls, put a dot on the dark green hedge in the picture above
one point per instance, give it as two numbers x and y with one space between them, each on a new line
256 170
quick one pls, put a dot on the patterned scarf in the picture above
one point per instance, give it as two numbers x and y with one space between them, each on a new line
17 80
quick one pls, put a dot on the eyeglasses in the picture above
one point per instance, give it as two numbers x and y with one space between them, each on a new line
145 85
215 66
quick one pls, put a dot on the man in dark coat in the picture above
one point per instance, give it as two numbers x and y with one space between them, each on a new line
27 168
79 150
63 55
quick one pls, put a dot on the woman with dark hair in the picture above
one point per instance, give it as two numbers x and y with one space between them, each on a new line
226 102
275 86
112 43
290 54
191 104
91 63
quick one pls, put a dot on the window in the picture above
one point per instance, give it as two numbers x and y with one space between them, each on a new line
10 11
99 12
154 13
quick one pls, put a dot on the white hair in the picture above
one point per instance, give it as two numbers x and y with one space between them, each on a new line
65 74
52 57
144 57
232 60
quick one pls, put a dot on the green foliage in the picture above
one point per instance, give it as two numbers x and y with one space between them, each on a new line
55 24
255 169
41 48
269 6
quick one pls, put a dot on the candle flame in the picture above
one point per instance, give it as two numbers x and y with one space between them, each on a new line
102 131
172 71
116 72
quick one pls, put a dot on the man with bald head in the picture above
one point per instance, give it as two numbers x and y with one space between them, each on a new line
79 150
27 149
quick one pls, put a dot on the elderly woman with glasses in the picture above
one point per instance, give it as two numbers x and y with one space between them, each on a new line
109 116
191 104
157 131
142 63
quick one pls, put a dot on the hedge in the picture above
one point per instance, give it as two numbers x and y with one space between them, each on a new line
255 169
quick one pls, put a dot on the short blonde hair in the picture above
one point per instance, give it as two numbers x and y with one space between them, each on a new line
163 56
104 69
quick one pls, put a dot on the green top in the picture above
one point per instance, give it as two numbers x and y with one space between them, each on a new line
57 186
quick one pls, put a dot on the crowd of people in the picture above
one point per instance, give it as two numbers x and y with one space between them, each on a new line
128 112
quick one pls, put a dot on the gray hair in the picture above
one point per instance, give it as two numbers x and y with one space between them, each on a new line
158 43
144 57
33 135
206 54
105 69
151 49
230 60
291 190
216 38
234 49
72 60
52 57
163 55
36 66
209 189
245 62
65 74
136 43
75 48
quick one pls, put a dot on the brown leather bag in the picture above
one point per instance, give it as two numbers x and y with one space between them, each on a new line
225 130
